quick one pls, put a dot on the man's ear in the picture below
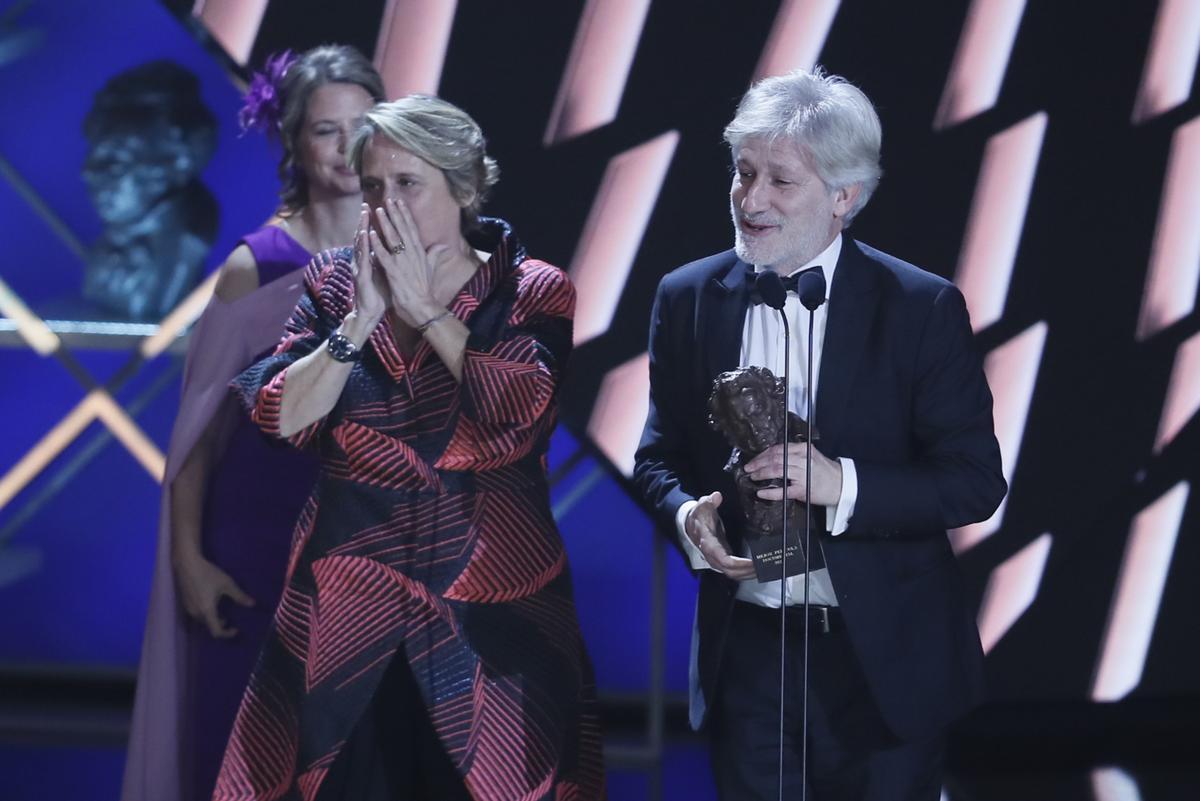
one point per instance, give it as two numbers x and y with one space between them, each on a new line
844 199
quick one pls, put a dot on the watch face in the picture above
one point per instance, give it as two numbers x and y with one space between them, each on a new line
342 349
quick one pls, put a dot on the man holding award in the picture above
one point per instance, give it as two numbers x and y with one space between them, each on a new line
902 448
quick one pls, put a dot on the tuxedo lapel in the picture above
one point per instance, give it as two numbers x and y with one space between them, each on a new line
852 302
723 318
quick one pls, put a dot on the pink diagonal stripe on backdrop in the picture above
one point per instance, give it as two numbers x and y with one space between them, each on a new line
620 411
613 231
411 49
993 235
1171 59
233 23
797 36
1183 393
1011 590
1138 595
977 72
1170 292
597 69
1114 784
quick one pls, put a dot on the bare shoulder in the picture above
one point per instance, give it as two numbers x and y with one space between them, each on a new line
238 276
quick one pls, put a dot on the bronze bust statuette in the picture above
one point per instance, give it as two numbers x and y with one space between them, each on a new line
747 406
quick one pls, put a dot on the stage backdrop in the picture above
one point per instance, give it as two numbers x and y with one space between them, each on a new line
1046 156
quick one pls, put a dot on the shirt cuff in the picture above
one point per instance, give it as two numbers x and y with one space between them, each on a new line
841 514
695 558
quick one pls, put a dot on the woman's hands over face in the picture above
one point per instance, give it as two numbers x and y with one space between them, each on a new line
409 268
371 294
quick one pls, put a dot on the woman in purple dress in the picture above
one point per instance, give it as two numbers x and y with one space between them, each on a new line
231 497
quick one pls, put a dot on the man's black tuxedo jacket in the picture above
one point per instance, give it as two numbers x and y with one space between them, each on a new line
902 392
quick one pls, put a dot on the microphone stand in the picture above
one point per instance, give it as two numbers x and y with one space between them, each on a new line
808 393
812 291
808 400
787 386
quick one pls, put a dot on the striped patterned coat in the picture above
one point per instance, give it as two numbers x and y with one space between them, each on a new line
428 535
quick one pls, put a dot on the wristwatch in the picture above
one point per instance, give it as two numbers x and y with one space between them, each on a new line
342 349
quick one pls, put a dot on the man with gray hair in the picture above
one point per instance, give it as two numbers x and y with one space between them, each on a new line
906 450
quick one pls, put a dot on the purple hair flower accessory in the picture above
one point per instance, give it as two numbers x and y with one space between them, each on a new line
262 106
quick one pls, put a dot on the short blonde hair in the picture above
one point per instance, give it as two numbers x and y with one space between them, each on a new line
442 134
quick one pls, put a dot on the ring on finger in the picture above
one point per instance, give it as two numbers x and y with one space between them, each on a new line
397 248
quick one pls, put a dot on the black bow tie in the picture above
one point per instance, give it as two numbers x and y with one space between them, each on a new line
791 283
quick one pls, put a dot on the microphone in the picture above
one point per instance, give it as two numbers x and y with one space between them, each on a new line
769 287
810 286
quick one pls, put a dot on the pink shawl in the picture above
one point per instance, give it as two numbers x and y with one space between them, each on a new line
225 340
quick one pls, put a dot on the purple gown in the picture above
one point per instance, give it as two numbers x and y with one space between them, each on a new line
189 683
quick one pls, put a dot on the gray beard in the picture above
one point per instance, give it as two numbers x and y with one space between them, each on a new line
763 257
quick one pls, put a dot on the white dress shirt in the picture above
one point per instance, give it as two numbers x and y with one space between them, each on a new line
762 346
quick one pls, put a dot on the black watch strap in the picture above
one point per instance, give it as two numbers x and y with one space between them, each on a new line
342 349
